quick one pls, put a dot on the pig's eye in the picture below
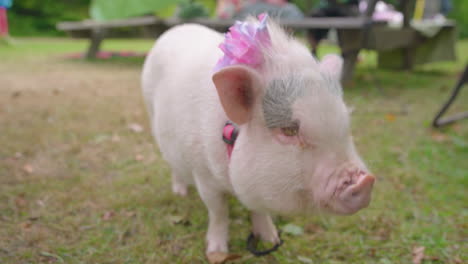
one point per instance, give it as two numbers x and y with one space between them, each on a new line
291 130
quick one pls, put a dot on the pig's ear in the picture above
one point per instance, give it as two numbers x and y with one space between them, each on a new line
332 65
237 87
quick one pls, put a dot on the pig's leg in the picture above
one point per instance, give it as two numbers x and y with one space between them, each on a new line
218 227
263 227
179 187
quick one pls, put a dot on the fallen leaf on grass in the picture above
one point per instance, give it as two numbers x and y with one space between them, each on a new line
28 168
135 127
418 254
16 94
52 257
383 233
20 201
57 91
270 259
26 225
456 127
377 122
177 219
100 138
293 230
129 214
221 257
41 203
108 215
176 248
115 138
139 157
432 259
390 117
304 259
439 137
313 228
33 218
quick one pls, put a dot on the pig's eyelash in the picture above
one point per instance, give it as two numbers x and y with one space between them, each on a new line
291 131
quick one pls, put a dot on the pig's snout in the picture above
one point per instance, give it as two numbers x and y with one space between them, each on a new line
354 192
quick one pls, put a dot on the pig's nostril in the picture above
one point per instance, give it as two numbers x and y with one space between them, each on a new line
356 194
346 184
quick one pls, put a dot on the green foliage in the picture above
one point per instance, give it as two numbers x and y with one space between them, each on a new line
115 9
305 5
209 4
459 13
191 9
39 17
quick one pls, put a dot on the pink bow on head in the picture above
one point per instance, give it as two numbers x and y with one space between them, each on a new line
243 43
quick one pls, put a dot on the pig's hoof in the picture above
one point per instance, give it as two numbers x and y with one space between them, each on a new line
179 189
263 228
266 233
221 257
215 245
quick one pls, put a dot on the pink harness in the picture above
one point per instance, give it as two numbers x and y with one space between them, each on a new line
230 133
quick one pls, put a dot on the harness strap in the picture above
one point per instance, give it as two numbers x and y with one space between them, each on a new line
230 133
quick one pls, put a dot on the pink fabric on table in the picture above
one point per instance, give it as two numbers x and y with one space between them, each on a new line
3 22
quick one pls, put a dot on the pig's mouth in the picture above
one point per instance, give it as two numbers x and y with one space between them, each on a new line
352 192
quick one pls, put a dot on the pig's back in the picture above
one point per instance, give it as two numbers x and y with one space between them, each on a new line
184 107
184 52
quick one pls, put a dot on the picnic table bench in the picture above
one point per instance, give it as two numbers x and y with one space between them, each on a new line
354 33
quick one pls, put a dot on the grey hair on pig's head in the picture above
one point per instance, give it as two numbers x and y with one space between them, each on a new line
286 56
278 99
291 72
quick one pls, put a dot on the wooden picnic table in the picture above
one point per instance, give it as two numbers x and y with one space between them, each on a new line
354 33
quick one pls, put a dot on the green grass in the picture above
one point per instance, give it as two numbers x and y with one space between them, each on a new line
78 186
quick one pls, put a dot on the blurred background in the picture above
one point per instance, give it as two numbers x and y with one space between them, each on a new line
39 17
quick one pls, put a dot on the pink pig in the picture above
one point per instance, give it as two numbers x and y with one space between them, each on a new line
294 153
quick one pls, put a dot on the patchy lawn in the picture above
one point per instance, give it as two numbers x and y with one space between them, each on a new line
81 181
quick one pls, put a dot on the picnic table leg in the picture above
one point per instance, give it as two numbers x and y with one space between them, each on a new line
349 63
407 8
97 35
352 41
407 59
350 45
